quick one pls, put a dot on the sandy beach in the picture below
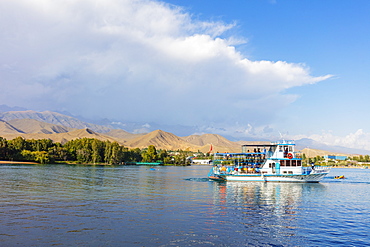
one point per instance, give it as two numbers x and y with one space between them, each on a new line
18 162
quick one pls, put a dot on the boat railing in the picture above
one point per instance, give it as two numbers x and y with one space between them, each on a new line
233 169
283 142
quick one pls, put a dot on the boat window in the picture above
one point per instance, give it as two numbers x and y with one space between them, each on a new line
282 162
299 163
290 172
294 163
290 148
287 163
280 148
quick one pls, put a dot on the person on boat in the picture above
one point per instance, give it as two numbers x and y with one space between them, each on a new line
285 152
312 166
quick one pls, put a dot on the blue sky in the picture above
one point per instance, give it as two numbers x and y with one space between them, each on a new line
244 69
330 37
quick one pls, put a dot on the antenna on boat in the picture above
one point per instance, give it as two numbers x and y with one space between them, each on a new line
281 136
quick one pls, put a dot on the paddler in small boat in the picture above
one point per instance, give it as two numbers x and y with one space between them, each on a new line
339 177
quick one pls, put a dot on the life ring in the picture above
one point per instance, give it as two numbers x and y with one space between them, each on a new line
290 156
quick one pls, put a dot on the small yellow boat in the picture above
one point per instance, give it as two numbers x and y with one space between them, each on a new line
340 177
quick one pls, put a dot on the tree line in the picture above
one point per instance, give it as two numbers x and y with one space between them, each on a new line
362 158
84 151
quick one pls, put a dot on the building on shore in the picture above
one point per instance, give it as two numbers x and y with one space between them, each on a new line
201 161
335 157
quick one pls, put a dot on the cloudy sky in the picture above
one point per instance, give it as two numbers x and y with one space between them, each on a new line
241 68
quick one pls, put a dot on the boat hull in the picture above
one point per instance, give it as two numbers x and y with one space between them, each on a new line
311 178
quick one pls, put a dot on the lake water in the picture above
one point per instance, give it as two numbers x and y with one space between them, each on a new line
62 205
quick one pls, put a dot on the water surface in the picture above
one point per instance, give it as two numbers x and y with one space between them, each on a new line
64 205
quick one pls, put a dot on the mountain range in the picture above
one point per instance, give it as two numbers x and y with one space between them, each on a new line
62 128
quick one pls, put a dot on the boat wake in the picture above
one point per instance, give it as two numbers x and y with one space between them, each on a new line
197 179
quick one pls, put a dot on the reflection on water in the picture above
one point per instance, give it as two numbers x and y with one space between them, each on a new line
268 212
176 206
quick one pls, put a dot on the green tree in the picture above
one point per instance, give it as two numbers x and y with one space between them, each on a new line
4 150
135 155
150 155
28 155
97 148
303 156
18 143
366 158
115 154
42 157
162 155
361 158
58 152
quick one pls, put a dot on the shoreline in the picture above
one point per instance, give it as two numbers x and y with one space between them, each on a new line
7 162
359 167
18 162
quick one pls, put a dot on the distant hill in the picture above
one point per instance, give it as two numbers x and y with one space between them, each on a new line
83 133
219 143
32 126
309 152
61 128
122 134
312 144
53 118
6 128
205 139
5 108
63 137
161 140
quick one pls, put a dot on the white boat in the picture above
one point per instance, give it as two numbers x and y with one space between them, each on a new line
274 162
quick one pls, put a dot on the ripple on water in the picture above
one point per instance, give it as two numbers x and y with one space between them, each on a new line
177 206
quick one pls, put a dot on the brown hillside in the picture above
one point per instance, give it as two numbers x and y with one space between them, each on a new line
64 137
218 142
121 134
220 149
37 127
6 128
161 140
83 133
53 118
253 142
309 152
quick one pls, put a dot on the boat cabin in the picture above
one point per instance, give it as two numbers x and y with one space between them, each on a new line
273 158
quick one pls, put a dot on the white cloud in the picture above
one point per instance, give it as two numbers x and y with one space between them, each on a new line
357 140
137 60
